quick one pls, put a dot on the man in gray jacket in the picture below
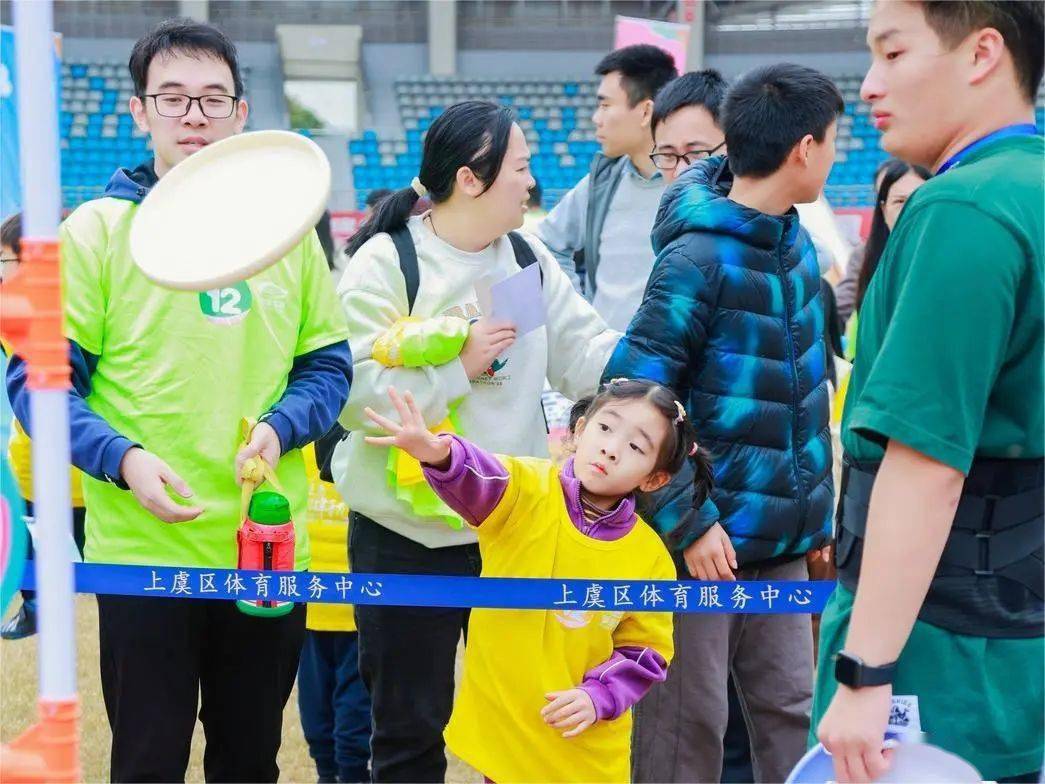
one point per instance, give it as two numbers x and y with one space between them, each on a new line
608 215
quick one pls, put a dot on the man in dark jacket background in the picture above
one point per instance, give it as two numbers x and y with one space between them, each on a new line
733 320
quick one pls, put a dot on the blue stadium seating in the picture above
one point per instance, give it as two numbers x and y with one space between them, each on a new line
98 134
555 116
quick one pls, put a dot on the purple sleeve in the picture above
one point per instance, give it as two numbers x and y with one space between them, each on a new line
623 679
474 482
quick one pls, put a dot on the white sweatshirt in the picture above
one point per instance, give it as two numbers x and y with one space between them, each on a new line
501 410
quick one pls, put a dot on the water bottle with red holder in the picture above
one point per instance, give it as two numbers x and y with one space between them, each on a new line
266 541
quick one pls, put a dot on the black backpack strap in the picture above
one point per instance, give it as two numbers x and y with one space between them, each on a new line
325 446
407 253
404 244
524 255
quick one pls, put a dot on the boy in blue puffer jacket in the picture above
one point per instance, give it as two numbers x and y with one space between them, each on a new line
733 321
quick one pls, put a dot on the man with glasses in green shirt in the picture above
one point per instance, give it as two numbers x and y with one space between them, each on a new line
939 536
161 382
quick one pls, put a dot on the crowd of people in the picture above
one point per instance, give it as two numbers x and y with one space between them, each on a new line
687 314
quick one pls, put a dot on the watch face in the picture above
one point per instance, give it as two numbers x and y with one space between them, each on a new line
846 670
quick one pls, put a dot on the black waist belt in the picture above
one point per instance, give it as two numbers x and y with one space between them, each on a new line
991 580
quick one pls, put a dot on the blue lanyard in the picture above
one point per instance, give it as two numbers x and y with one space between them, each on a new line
1020 129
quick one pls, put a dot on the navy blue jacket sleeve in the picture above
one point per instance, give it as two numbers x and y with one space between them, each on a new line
317 390
97 449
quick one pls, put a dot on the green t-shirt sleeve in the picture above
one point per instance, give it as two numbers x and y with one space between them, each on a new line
322 320
82 240
946 302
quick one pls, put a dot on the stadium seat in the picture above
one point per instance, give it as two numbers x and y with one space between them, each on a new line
99 135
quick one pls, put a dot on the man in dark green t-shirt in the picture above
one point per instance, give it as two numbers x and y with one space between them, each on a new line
944 416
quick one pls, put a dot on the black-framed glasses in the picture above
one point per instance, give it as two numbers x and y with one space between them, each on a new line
670 160
214 106
8 264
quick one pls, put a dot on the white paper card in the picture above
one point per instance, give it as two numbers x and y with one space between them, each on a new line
519 299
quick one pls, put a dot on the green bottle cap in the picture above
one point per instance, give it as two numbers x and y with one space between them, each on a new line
269 508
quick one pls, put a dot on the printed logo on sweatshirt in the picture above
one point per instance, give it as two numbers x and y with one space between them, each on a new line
573 619
496 367
226 306
272 295
492 376
466 312
578 619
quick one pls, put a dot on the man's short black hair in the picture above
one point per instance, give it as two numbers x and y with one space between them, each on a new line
376 196
770 109
697 88
643 69
1020 22
185 36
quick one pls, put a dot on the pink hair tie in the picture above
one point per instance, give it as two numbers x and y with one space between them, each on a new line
693 449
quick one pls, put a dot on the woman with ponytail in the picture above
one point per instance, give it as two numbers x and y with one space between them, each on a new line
475 170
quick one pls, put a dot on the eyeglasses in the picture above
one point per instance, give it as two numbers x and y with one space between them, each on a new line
214 107
670 160
8 264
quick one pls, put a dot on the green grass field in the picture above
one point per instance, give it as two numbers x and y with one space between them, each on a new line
18 682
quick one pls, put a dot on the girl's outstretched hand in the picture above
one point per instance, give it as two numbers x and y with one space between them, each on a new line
571 709
411 436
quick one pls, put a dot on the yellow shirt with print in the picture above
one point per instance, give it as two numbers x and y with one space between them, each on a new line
328 534
20 452
514 657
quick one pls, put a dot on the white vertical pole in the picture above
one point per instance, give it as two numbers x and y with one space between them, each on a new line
195 9
442 37
693 11
49 412
37 118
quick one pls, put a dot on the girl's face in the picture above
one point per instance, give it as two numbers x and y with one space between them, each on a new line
898 196
507 200
617 449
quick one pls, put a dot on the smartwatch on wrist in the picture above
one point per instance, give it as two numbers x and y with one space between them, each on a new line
851 671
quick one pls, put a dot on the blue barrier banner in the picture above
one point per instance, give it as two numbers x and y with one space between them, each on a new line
412 590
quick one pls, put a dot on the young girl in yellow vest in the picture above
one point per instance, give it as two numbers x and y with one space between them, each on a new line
547 695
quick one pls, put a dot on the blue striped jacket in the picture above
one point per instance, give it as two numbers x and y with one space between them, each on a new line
733 321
